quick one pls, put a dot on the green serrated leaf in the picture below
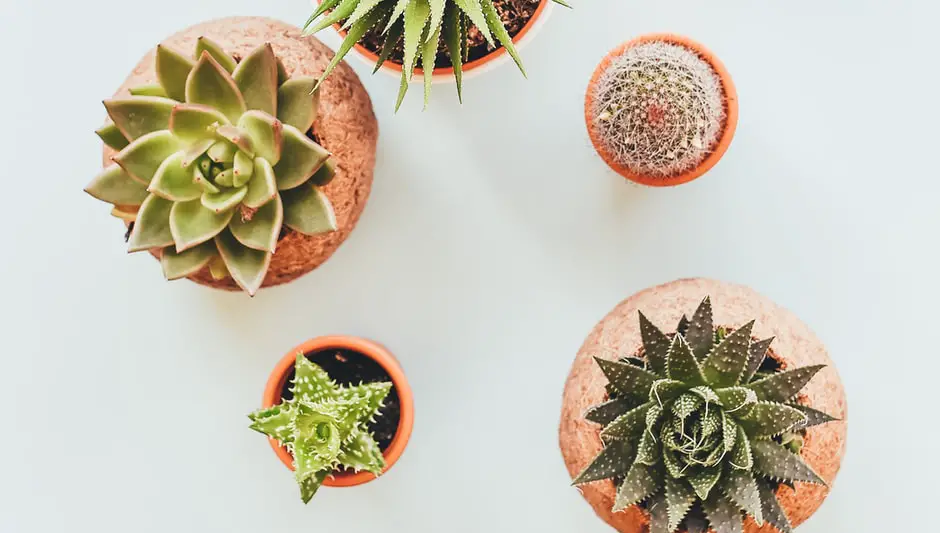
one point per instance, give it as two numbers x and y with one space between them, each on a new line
311 383
655 345
628 425
681 364
704 480
771 509
393 36
417 14
725 364
275 422
776 462
782 386
758 352
741 488
813 417
640 482
428 58
722 515
741 456
679 499
452 34
474 11
765 419
361 452
659 513
613 461
495 25
341 11
733 399
628 380
665 390
701 332
608 411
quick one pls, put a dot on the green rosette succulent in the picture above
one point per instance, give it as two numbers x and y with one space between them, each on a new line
214 160
325 426
422 27
701 427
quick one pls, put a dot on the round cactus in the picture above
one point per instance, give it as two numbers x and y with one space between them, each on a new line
658 109
214 160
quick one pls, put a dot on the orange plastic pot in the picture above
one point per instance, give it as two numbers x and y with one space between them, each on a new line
448 72
731 104
376 352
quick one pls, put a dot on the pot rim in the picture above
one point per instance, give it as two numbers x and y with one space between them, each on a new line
731 120
376 352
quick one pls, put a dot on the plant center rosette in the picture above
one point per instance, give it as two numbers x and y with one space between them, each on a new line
214 161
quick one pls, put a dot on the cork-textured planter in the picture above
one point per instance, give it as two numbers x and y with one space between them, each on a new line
345 125
618 334
378 353
730 98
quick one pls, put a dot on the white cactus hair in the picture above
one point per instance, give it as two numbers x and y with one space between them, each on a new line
659 109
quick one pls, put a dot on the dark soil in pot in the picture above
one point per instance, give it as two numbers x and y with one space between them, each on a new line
346 368
514 14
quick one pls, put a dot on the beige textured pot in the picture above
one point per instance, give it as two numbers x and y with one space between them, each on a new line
618 334
346 126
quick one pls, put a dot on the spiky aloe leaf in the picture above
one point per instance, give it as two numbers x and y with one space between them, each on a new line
428 57
266 133
741 456
679 499
212 85
174 182
310 485
640 482
136 116
308 210
179 265
417 13
704 480
681 364
758 352
275 422
341 11
628 425
452 33
300 159
741 488
771 509
204 45
363 9
297 103
776 462
357 29
262 229
172 70
813 417
607 412
152 227
783 386
474 11
322 8
722 515
112 136
734 399
495 24
630 381
311 383
613 461
726 362
114 186
192 224
664 390
701 332
648 450
765 419
256 79
655 345
361 452
247 266
393 35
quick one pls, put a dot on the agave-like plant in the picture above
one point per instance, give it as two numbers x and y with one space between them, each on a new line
324 426
213 160
422 26
700 429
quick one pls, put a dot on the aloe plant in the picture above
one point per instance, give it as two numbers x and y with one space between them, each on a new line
422 26
324 426
700 429
213 160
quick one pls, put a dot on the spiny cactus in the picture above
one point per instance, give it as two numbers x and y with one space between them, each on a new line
324 426
701 428
213 160
659 109
422 25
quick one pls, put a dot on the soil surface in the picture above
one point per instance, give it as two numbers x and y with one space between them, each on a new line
347 367
515 14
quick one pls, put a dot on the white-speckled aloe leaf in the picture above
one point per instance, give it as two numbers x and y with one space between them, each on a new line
360 404
701 330
256 78
112 136
141 158
261 187
722 515
679 499
297 102
261 232
172 70
308 210
188 262
725 364
733 399
311 383
204 44
758 352
782 386
613 461
310 486
237 137
192 224
174 182
474 12
704 480
224 200
681 364
210 84
361 452
640 482
774 461
771 509
152 227
266 133
275 422
246 266
136 116
114 186
630 381
766 419
628 425
655 345
300 159
194 122
495 24
659 513
741 488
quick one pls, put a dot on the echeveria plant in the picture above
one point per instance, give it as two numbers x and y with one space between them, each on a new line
213 160
324 426
700 430
421 27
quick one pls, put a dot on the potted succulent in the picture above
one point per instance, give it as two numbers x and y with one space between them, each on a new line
435 39
337 411
661 110
730 420
224 161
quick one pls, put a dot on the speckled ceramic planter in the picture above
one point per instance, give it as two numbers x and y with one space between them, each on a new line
618 335
345 126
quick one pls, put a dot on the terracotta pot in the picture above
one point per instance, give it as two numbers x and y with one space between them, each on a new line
471 68
731 111
376 352
618 334
345 125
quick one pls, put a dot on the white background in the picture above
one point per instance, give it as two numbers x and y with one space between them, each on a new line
493 241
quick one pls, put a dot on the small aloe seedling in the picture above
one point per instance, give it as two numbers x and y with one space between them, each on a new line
214 160
421 26
324 426
700 431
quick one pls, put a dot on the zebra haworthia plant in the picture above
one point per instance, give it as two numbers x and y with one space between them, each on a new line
701 427
213 160
420 27
324 426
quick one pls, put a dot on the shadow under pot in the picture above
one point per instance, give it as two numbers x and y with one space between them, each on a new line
337 411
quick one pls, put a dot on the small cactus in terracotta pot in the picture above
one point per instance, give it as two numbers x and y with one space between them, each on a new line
706 425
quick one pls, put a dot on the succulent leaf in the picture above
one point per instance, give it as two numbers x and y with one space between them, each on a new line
741 456
765 419
192 224
311 383
726 362
659 513
262 229
152 227
262 186
679 499
613 461
275 422
664 390
495 24
246 265
704 480
174 182
428 56
608 411
148 90
114 186
736 398
630 381
188 262
308 210
112 136
342 10
136 116
172 70
417 13
310 485
640 482
256 78
242 169
474 11
361 452
393 35
141 158
359 23
223 201
723 516
206 45
297 103
813 417
195 122
300 159
265 132
777 463
452 39
627 425
758 352
655 345
771 509
210 84
681 364
237 137
741 488
222 152
782 386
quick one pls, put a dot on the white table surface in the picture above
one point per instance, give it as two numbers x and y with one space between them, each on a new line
493 241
